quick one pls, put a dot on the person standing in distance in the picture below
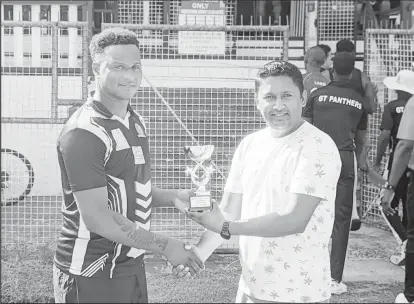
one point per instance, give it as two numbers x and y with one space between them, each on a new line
279 198
337 109
103 154
403 159
359 81
313 78
328 60
403 84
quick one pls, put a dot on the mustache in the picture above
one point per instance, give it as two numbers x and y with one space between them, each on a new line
278 112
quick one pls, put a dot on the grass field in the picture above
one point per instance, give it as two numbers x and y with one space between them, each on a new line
27 277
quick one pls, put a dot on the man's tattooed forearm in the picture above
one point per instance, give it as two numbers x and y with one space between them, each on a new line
161 242
139 235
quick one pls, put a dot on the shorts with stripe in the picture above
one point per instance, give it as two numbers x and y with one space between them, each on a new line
69 288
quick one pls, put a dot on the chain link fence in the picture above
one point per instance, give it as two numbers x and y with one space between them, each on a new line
387 51
335 21
43 74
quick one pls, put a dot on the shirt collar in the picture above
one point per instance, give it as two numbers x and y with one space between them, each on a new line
101 109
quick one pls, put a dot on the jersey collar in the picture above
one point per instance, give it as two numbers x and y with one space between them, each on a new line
101 109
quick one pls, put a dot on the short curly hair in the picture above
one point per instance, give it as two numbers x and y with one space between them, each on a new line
111 36
280 68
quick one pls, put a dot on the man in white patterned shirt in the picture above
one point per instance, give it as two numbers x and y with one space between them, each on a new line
279 198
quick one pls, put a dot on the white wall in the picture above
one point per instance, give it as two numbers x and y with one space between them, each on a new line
37 142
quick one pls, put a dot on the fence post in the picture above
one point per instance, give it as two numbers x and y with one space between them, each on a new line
85 62
55 62
286 44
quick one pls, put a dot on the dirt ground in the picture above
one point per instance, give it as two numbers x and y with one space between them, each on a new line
26 276
370 277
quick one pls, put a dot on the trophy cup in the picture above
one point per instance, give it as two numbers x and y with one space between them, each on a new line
201 200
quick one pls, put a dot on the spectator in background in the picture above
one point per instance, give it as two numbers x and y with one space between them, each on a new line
328 60
313 78
338 110
403 159
359 81
393 112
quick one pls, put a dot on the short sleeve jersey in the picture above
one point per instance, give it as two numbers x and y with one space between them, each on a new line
337 110
391 117
406 129
313 81
294 268
97 149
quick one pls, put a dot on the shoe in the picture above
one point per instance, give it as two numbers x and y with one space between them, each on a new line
399 259
338 288
401 299
355 224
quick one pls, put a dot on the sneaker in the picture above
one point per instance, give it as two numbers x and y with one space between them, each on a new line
338 288
398 259
401 299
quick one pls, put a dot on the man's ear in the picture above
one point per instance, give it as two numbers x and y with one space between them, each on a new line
304 98
95 69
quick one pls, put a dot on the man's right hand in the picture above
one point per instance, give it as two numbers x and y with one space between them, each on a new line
178 255
182 271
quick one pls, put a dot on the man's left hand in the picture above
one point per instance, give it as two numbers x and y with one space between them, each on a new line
212 220
386 197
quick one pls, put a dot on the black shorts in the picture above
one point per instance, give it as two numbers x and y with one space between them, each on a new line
70 288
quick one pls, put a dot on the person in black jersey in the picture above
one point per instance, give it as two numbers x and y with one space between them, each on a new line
361 83
391 117
338 110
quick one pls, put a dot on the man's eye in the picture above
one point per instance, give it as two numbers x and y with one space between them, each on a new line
269 97
287 95
117 67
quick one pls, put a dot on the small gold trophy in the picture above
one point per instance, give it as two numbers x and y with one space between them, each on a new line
201 200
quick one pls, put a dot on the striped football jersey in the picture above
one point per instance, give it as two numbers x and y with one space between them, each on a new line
97 149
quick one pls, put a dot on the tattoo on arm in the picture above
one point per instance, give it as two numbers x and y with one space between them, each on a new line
139 235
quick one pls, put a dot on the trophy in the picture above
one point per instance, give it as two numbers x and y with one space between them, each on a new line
201 200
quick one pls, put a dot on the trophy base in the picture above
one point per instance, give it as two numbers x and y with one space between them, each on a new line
200 203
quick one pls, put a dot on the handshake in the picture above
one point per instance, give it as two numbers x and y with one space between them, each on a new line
185 260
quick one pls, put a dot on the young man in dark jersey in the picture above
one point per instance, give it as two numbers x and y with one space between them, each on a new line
104 158
337 109
313 78
361 83
403 84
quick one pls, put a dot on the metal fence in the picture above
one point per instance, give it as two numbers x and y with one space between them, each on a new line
189 99
44 72
335 21
387 51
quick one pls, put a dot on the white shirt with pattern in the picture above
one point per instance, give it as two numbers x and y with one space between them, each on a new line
293 268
